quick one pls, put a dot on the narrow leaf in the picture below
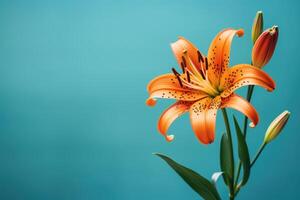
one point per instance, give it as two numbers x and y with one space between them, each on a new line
243 152
226 160
200 184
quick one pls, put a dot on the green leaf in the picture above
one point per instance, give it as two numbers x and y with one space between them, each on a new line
200 184
226 160
243 152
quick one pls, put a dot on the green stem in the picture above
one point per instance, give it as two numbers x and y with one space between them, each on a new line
228 132
261 148
249 95
237 189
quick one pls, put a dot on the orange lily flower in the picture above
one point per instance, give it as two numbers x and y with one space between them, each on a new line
205 85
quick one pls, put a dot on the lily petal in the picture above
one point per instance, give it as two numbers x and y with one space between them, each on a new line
242 75
169 115
184 47
240 104
174 94
218 54
166 86
166 81
203 118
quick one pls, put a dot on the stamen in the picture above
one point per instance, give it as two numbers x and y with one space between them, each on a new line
183 64
182 67
206 63
200 58
177 76
202 74
188 76
183 61
179 80
175 72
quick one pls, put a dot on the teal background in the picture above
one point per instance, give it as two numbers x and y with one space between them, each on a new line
73 120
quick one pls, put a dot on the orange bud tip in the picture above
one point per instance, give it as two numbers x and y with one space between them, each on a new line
169 138
240 32
150 102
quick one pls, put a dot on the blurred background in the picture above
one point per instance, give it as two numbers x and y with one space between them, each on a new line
73 119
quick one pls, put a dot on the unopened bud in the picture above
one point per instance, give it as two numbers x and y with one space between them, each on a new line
276 126
258 26
264 47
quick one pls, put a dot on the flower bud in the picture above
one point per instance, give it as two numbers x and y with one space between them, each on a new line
258 26
276 126
264 47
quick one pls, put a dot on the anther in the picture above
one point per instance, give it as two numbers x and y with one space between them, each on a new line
177 76
201 72
180 83
175 72
188 76
183 61
200 58
206 63
182 67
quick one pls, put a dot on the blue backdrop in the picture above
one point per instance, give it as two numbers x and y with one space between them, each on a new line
73 119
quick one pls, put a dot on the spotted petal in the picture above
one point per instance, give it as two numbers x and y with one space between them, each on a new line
242 75
218 54
169 115
240 104
203 118
167 86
